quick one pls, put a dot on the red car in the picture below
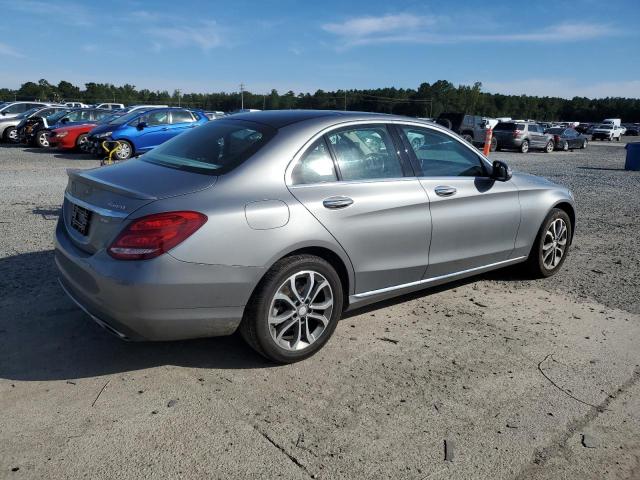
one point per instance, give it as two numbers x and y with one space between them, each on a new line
71 137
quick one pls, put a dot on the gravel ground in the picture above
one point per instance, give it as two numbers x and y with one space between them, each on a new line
492 377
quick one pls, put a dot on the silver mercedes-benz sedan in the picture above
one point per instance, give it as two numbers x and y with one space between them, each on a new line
275 223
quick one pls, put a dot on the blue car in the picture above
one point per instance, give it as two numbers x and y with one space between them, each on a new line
143 130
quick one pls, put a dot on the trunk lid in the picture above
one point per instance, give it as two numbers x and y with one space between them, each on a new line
98 201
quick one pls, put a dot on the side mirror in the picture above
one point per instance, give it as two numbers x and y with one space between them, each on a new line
141 125
501 171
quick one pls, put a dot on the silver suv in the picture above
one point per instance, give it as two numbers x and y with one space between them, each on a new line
522 136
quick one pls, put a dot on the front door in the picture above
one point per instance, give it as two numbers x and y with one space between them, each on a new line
474 219
355 183
155 132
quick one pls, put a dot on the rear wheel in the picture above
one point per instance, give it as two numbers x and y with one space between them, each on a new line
467 138
551 245
549 148
524 148
494 144
10 135
294 310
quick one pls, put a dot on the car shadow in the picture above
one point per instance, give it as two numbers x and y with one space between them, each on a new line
45 336
63 154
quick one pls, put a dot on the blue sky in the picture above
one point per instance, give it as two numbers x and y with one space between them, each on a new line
557 48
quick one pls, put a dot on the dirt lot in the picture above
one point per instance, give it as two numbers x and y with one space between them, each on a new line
521 379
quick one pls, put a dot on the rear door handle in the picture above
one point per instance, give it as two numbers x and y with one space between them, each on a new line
445 191
333 203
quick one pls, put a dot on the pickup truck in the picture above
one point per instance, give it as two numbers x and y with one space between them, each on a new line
606 131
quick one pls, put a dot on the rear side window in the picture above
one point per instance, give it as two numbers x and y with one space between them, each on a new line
181 116
365 153
315 166
440 155
216 147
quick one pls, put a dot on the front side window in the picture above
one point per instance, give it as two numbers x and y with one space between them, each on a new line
440 155
365 153
216 147
315 166
181 116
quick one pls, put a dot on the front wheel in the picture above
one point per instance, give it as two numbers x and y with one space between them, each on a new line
42 139
124 151
565 146
551 245
584 144
524 148
294 310
81 141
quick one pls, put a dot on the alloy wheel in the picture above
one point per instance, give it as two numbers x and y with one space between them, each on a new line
124 151
12 135
300 310
44 140
554 244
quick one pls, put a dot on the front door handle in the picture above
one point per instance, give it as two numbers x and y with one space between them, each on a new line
333 203
445 191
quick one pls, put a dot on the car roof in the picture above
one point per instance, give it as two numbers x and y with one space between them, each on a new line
282 118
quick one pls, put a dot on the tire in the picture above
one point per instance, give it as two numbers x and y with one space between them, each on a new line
584 144
262 335
445 122
524 147
81 140
565 146
468 138
125 152
42 139
539 263
618 139
10 135
550 147
494 144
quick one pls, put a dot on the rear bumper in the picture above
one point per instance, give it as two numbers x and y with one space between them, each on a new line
159 299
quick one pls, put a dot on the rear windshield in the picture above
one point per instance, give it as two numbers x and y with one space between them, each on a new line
509 127
217 147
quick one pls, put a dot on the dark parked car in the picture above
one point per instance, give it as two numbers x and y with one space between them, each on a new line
472 128
522 136
567 138
633 129
41 128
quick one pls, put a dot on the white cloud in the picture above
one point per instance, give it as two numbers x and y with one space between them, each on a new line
206 35
365 26
62 11
9 51
565 88
405 28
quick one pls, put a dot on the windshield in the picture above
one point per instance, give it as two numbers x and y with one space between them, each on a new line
555 131
28 113
605 126
53 118
216 147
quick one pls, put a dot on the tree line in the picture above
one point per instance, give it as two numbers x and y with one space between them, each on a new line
428 100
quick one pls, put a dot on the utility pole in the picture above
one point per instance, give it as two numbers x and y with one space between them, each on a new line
242 96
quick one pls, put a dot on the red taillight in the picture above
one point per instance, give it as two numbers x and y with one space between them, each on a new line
153 235
516 133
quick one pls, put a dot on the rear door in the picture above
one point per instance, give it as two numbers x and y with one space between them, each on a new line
354 181
181 120
535 136
474 219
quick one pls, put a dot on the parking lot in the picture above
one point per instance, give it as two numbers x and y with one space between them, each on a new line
506 377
